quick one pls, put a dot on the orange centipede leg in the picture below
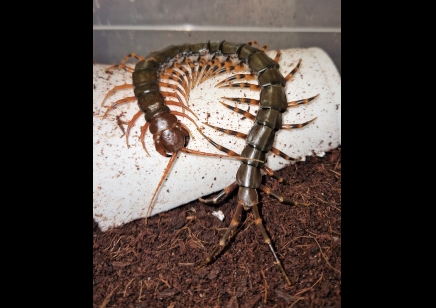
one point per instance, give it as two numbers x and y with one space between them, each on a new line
117 88
142 137
251 86
302 101
291 126
130 125
119 102
296 68
237 77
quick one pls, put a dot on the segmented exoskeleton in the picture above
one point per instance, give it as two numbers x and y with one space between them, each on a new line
171 136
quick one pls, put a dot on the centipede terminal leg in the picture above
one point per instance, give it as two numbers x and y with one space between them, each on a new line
267 240
223 241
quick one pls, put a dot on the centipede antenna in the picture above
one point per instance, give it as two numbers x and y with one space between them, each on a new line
170 163
230 156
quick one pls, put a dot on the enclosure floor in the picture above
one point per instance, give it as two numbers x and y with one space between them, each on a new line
153 264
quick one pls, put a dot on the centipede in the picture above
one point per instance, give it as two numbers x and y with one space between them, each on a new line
165 78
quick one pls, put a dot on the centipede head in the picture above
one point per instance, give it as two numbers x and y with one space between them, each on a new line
168 134
171 140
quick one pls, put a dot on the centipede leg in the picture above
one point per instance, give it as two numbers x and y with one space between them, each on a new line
244 136
301 101
130 125
206 69
234 223
186 116
249 101
175 87
141 137
237 77
256 102
273 174
117 88
216 65
218 146
221 195
175 95
263 48
230 68
279 197
283 155
292 73
251 86
187 133
119 102
253 117
300 125
267 240
181 106
240 111
122 64
278 55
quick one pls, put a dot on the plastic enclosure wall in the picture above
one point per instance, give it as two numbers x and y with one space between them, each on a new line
122 27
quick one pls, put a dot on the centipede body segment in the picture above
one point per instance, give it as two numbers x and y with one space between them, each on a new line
179 69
